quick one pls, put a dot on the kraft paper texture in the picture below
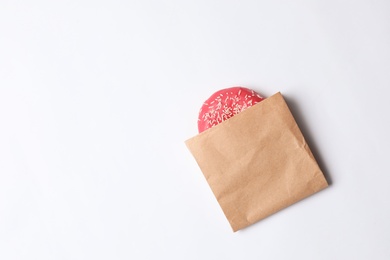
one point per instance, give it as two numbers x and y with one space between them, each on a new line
257 162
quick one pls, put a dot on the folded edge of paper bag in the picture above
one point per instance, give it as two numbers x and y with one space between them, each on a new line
257 162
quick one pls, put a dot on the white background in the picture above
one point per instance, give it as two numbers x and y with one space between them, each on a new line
98 97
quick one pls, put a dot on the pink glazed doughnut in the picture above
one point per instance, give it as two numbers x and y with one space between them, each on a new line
224 104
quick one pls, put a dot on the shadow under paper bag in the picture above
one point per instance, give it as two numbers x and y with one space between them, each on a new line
257 162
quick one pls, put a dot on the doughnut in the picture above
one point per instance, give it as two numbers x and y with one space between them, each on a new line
224 104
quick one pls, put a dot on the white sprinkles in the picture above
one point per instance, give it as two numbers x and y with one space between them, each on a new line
224 106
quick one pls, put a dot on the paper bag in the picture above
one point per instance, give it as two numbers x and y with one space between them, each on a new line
257 162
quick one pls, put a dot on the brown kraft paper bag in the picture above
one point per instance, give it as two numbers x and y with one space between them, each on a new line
257 162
